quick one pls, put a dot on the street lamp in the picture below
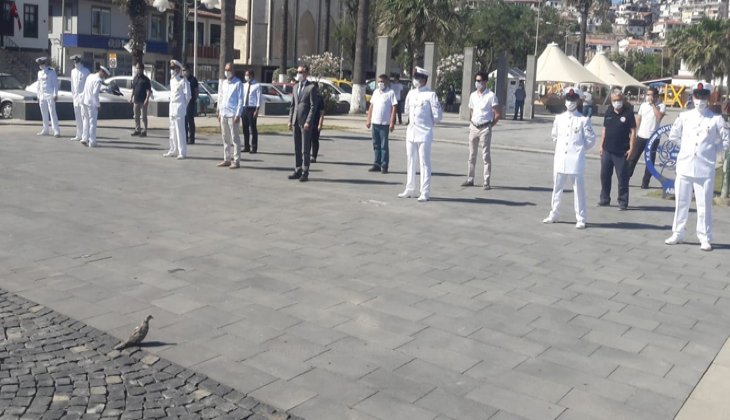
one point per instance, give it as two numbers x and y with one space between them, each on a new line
537 25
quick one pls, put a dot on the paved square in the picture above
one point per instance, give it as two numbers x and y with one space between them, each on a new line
336 300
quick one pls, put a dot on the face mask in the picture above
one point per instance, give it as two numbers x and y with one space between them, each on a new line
228 74
186 74
173 72
300 77
381 86
479 85
77 65
247 78
41 67
416 83
702 104
617 104
649 99
572 106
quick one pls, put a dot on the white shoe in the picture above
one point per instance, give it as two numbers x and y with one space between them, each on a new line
75 138
549 219
705 246
580 225
407 194
181 157
674 240
168 154
423 198
42 133
57 135
93 144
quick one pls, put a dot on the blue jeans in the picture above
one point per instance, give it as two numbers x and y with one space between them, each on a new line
588 111
380 144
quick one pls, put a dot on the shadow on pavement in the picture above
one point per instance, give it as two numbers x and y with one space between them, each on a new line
630 226
119 145
484 201
545 189
270 168
147 344
355 181
655 208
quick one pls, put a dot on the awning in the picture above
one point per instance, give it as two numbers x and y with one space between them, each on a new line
554 66
611 72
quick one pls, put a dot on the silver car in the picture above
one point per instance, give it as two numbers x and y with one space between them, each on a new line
11 91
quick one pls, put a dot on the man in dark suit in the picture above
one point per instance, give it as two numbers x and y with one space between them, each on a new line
191 109
301 121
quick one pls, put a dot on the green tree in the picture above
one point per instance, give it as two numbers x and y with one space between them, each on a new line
585 7
137 12
357 101
703 46
496 26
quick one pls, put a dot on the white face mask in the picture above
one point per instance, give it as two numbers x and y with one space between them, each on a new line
617 104
173 72
649 99
381 86
300 77
77 64
479 85
247 78
228 74
702 104
416 83
41 67
572 106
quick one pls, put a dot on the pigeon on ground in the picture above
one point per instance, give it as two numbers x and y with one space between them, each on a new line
139 333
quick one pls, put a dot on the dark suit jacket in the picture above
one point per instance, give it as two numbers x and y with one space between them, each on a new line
305 106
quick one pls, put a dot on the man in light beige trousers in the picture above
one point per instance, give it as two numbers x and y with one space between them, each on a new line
484 114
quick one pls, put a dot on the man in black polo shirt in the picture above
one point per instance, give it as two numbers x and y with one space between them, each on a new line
191 110
617 144
141 93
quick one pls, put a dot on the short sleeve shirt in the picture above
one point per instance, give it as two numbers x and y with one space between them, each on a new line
481 106
618 129
649 124
140 86
382 103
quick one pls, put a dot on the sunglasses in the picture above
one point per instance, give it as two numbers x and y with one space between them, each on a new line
300 72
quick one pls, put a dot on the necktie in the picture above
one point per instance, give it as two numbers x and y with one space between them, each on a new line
301 86
248 93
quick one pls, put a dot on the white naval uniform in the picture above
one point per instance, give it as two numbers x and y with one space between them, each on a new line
573 136
701 135
179 98
47 93
424 110
78 80
90 101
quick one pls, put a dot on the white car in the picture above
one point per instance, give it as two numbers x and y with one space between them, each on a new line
65 95
11 90
326 86
270 93
160 93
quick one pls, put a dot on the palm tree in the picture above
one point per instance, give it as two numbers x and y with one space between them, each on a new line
704 47
228 21
284 37
584 7
327 8
357 103
137 12
413 22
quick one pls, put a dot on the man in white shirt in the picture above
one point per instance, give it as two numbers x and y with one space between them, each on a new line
78 80
701 135
251 103
91 103
484 114
424 110
230 107
381 116
573 136
47 96
180 95
650 116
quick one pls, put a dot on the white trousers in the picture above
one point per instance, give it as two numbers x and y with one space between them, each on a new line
78 113
89 122
231 139
483 136
48 107
579 195
419 152
178 143
704 189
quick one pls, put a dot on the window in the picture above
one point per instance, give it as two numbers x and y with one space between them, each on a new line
30 21
100 21
68 19
190 36
157 28
215 34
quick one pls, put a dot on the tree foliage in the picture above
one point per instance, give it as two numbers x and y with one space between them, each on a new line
586 8
705 47
322 65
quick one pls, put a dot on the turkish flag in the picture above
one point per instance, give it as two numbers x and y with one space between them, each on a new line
14 14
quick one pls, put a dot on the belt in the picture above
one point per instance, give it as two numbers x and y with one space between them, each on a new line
482 126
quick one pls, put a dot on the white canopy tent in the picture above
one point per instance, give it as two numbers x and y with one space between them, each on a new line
611 72
554 66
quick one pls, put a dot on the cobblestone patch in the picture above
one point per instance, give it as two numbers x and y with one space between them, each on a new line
53 367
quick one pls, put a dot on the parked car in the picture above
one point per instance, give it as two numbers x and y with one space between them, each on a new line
108 93
270 93
11 90
160 93
212 84
287 88
346 87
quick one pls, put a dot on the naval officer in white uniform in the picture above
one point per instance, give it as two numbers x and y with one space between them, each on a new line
424 110
91 103
701 135
573 136
47 96
179 98
78 79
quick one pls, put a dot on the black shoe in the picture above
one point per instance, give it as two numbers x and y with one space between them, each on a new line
374 168
304 177
246 150
313 159
296 174
143 134
135 133
467 184
644 186
602 204
384 170
253 151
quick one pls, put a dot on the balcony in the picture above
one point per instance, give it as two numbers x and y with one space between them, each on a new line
209 52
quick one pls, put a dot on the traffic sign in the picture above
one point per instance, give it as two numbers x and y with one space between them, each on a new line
112 60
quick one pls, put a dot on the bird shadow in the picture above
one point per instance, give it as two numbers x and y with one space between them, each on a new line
630 226
479 200
152 344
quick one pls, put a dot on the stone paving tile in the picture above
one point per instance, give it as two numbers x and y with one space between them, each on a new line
54 367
